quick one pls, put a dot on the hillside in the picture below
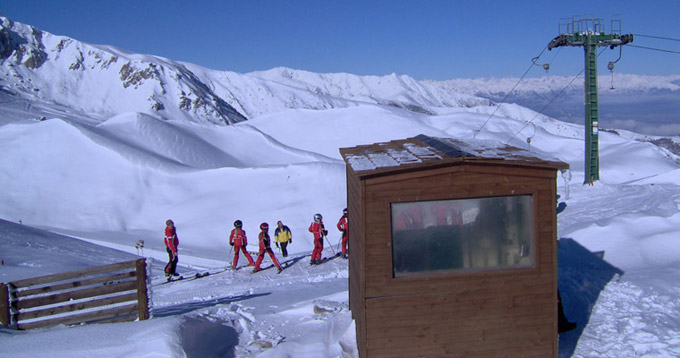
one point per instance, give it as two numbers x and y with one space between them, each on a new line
105 168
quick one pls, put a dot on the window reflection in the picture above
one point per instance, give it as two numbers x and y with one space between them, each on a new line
464 234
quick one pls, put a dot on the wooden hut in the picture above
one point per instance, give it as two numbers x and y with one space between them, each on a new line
452 249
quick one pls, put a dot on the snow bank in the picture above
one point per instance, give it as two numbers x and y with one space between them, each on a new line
132 172
634 241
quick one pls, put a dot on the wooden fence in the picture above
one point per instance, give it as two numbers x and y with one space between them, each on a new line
111 293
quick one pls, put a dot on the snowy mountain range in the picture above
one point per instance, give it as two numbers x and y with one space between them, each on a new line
36 66
39 66
644 104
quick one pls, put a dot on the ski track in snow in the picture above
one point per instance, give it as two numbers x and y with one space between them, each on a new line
242 281
234 296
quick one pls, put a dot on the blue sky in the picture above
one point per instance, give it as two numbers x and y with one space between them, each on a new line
423 39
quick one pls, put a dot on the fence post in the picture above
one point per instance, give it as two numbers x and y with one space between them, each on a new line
5 317
142 297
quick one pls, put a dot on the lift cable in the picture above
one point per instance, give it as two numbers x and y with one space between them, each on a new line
658 37
533 63
546 106
655 49
550 102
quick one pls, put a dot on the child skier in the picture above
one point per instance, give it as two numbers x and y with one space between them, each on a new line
342 226
283 237
171 243
319 232
263 236
238 240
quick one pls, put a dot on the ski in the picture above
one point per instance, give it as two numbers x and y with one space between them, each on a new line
325 259
173 279
267 268
195 276
185 278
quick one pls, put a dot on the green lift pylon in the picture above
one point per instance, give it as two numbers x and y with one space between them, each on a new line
590 34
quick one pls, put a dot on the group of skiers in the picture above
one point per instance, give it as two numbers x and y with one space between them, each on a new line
282 237
319 231
238 240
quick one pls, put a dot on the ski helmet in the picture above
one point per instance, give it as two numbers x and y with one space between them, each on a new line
264 226
344 211
169 223
317 217
238 224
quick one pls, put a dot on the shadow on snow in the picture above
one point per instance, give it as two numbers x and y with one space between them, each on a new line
582 275
183 308
204 338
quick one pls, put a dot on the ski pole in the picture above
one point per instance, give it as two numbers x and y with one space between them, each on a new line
231 249
329 244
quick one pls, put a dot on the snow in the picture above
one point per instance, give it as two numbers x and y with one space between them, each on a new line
110 185
644 104
83 186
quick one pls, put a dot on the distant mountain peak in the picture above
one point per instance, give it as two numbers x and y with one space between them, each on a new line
95 80
22 47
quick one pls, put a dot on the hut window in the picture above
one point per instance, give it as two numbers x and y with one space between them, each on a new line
462 234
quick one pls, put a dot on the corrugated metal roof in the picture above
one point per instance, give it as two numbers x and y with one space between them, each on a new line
428 151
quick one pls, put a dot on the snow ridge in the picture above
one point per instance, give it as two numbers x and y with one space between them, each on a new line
40 66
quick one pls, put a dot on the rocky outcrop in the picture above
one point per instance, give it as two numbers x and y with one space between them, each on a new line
78 70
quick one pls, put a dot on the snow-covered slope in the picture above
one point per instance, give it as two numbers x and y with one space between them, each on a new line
111 171
132 172
102 81
393 90
301 312
126 169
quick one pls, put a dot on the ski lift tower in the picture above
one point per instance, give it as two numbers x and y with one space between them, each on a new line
590 34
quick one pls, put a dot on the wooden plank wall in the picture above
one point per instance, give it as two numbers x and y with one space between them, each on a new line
5 318
489 313
356 253
104 293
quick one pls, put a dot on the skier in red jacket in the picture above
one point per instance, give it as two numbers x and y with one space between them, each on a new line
415 214
319 232
238 240
456 215
440 211
401 221
263 236
171 243
343 227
